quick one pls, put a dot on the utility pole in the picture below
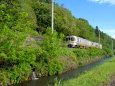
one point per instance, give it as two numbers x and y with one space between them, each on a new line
52 19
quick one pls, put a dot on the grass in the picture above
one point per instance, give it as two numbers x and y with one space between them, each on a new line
95 77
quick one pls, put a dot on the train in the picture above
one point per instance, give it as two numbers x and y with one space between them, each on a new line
74 41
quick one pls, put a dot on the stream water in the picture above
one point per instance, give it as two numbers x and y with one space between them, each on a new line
44 81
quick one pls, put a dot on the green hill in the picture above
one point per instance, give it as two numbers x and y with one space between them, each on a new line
26 41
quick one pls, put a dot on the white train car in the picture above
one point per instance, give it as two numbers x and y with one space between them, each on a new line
73 41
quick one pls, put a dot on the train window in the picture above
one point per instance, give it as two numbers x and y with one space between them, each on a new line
68 38
72 39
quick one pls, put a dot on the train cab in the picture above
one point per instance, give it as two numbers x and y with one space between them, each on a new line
71 41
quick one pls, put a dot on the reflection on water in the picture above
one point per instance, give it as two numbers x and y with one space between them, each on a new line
44 81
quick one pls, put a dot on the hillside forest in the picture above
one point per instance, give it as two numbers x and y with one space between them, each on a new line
26 42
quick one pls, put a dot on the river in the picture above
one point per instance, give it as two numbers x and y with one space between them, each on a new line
44 81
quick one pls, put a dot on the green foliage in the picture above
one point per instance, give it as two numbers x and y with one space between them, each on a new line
4 78
50 54
42 11
108 52
84 55
85 30
19 73
51 44
21 19
15 27
27 7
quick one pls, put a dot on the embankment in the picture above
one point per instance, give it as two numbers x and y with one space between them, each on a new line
98 76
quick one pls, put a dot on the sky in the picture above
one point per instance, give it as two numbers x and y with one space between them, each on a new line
99 13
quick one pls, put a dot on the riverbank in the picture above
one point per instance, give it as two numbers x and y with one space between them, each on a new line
64 76
99 76
69 62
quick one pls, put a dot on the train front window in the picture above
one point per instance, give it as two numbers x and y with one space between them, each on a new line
72 39
68 38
